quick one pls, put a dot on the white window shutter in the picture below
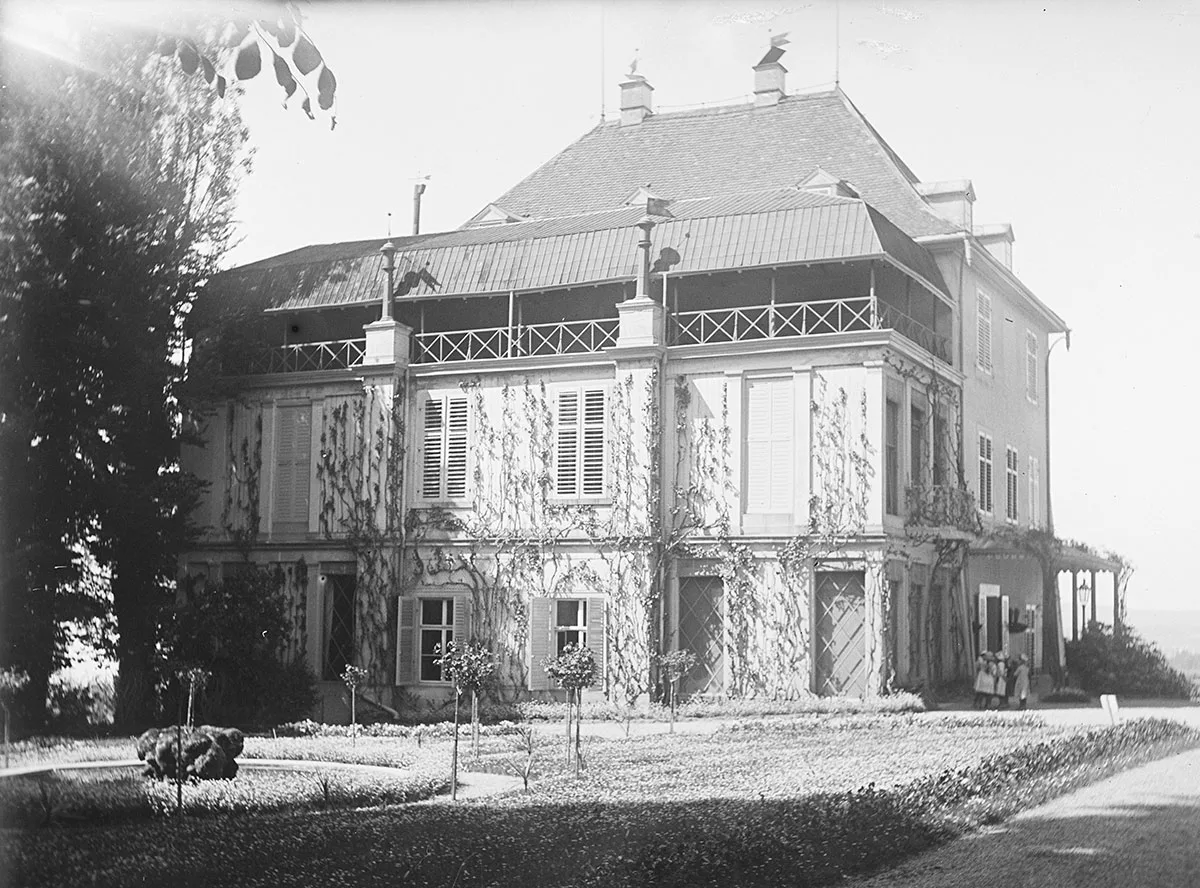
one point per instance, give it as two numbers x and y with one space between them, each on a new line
1004 623
462 620
595 636
540 634
758 447
431 456
783 462
592 461
293 440
770 446
1031 366
983 313
456 448
982 619
566 460
407 641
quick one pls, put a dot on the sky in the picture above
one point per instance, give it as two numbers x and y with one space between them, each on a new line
1076 122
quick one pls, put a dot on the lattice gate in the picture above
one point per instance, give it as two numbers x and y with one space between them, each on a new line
841 637
702 630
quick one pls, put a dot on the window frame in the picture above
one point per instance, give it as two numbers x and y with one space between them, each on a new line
582 427
1012 473
891 457
296 465
984 358
788 506
579 628
449 442
987 502
1032 355
445 631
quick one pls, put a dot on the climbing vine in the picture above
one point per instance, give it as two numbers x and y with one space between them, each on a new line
241 517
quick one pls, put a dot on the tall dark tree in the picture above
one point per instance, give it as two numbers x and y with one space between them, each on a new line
117 179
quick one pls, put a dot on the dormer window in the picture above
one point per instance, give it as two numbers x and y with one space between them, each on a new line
494 214
821 182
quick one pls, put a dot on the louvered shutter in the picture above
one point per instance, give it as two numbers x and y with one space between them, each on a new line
431 456
566 460
595 636
456 448
407 642
540 635
982 617
983 313
462 620
293 439
592 456
770 451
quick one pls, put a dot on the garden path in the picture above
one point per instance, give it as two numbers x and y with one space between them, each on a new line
1139 827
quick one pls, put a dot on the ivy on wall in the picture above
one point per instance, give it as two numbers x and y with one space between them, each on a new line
241 516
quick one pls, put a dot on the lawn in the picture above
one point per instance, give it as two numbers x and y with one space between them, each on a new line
637 797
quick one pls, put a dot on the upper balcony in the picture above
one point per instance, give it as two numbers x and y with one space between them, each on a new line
942 510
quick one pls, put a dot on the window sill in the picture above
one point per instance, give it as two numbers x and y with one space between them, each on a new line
580 500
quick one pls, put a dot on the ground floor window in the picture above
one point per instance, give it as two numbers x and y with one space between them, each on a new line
339 624
570 623
437 630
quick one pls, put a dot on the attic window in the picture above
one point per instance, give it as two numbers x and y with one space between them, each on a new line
821 182
494 214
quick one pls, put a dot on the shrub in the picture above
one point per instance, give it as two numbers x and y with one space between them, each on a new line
1067 695
1122 662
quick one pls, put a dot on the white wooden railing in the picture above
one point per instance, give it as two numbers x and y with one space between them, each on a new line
302 357
563 338
745 323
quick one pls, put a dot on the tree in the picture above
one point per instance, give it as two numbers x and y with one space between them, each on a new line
675 665
574 669
116 202
466 667
352 677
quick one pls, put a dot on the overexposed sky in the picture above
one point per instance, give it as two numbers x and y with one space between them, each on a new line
1076 121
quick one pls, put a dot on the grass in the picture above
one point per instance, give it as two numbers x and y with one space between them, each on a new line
803 801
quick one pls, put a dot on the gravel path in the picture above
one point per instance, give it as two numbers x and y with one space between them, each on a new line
1137 828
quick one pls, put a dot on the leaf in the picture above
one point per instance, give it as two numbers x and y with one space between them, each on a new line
188 58
283 74
249 61
305 56
326 85
235 32
287 33
220 86
207 68
166 46
307 108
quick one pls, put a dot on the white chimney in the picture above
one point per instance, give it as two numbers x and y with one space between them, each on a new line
998 240
636 102
769 79
951 200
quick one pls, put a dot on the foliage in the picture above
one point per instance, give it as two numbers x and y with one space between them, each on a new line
238 630
117 204
1067 694
469 667
1124 663
236 54
574 669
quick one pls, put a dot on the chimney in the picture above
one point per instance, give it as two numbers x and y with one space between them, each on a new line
998 240
635 100
951 200
768 79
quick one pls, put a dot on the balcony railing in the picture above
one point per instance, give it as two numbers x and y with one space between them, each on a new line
800 319
941 506
302 357
529 340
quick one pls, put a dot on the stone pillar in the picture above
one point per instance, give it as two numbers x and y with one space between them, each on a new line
1094 618
1116 601
1074 605
388 342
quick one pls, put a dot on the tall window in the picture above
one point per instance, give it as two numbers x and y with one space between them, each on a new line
1035 492
580 446
570 623
339 591
939 449
437 629
293 436
1011 473
983 330
444 460
1031 366
985 473
916 445
892 458
770 446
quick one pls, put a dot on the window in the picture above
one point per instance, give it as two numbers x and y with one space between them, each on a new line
580 445
437 628
1010 483
444 458
983 329
1031 366
992 619
338 586
570 623
770 448
916 446
939 449
1035 492
293 438
985 473
892 459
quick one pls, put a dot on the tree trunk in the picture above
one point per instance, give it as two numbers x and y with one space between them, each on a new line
454 755
475 723
569 713
578 725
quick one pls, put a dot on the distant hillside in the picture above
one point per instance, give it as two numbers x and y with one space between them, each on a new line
1171 630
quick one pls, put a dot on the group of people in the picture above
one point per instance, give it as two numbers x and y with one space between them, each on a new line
998 680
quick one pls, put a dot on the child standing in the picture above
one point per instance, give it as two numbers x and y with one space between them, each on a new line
1021 686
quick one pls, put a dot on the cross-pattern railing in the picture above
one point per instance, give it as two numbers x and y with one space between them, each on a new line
746 323
302 357
563 338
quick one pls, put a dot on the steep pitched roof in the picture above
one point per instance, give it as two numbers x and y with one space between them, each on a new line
735 149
